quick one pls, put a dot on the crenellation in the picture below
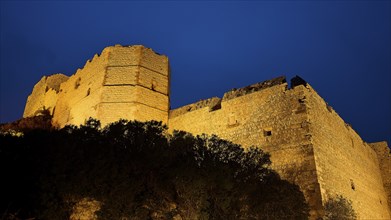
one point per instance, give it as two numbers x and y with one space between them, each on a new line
253 88
309 143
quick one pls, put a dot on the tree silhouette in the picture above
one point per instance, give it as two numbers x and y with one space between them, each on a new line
339 208
137 170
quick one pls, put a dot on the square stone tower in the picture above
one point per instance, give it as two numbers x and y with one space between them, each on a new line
135 86
128 82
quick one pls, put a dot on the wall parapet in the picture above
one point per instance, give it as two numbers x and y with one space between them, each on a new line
213 103
254 88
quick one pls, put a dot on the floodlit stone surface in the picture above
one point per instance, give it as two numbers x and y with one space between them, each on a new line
309 142
382 151
44 95
130 82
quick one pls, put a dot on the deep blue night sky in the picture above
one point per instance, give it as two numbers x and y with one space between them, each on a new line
341 48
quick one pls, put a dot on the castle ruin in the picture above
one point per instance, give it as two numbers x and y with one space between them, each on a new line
309 143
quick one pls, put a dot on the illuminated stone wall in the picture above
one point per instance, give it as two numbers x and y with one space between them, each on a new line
383 154
310 144
345 164
80 95
273 118
136 86
44 95
123 82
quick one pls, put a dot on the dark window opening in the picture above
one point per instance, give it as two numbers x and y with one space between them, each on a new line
215 104
77 83
215 107
267 133
352 185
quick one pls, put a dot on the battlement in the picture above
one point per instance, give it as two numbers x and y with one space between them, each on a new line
214 103
254 88
309 143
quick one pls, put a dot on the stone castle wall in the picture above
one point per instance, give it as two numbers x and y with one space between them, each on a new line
273 118
310 144
345 164
123 82
80 94
136 86
306 138
382 151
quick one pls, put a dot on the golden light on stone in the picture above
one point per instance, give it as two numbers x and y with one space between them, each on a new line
310 144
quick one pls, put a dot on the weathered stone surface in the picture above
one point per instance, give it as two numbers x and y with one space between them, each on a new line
382 151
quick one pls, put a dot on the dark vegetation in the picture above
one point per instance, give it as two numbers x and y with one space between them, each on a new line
137 171
339 208
41 122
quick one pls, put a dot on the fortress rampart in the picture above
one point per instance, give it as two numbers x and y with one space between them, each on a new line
272 118
345 164
310 144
